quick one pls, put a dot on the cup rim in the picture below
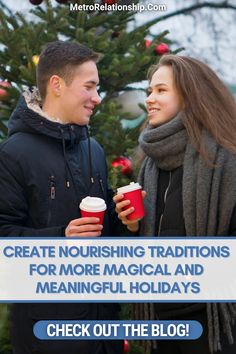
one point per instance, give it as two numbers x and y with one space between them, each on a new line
93 209
129 188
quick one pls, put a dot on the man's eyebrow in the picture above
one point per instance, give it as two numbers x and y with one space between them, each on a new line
92 82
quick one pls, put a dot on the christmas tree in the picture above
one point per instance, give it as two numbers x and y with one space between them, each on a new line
125 52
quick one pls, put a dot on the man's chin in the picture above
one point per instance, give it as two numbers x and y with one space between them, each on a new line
82 121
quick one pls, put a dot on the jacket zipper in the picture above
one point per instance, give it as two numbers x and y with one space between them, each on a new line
52 197
102 186
100 181
165 197
52 188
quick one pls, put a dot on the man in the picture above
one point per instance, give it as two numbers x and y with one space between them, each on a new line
47 165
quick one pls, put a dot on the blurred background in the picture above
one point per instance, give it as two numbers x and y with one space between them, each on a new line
129 41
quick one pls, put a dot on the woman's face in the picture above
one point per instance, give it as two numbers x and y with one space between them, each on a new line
163 102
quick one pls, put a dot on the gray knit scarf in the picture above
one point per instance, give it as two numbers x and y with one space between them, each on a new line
209 197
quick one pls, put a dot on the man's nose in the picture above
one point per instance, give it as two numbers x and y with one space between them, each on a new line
96 99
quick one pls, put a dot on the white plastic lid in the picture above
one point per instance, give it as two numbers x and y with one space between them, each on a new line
93 204
129 188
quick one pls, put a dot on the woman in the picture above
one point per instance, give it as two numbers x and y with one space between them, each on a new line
189 175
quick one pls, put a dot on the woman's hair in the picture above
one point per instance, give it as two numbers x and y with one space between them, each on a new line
206 102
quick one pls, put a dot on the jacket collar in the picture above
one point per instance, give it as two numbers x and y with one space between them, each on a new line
29 117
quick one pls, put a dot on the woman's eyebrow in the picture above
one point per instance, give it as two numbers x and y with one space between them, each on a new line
150 88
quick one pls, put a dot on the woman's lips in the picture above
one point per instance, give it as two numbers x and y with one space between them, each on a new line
153 111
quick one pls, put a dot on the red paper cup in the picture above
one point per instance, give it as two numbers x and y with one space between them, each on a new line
98 214
133 192
93 207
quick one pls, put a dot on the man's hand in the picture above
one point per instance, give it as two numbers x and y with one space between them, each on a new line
132 225
84 227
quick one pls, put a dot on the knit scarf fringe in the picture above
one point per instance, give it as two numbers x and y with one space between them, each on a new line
221 317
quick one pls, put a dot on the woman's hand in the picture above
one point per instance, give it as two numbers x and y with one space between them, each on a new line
132 225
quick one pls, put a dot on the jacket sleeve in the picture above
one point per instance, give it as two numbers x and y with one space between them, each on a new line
13 203
116 226
232 227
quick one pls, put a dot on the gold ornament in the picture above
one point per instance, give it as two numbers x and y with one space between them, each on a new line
34 60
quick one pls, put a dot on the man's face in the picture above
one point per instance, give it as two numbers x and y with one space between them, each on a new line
78 99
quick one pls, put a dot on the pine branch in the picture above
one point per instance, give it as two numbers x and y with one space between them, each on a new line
186 10
5 7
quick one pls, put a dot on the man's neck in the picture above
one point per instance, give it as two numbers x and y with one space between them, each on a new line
53 112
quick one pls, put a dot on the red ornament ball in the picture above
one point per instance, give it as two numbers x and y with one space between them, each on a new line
4 93
147 43
162 48
124 163
115 34
126 346
36 2
109 2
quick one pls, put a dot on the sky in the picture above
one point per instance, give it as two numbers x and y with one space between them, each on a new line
209 35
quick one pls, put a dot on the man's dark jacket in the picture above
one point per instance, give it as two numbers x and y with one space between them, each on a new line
46 168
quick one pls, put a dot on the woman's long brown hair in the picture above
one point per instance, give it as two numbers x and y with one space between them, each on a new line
207 102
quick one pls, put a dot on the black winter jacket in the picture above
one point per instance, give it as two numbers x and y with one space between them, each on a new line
170 222
170 218
37 161
46 168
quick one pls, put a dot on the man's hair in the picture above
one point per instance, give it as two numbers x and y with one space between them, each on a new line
61 58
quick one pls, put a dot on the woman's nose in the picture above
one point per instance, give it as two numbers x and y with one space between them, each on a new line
150 98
